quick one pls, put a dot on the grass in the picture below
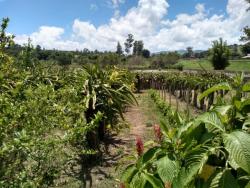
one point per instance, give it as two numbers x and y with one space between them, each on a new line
235 65
150 110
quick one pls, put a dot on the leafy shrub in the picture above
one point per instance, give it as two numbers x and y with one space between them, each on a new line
219 55
164 60
217 140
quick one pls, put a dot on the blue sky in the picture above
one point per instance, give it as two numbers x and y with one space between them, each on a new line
71 19
27 15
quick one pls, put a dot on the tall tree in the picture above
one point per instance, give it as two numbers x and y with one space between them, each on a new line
119 49
5 40
138 47
246 38
135 48
145 53
129 43
219 54
190 52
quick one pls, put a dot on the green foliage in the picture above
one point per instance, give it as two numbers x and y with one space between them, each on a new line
129 43
246 48
5 41
164 60
49 113
109 59
119 49
145 53
138 47
217 139
219 55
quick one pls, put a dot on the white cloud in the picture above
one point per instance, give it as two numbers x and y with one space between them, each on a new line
115 3
49 37
147 22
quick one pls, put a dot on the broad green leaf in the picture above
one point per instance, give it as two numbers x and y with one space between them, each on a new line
211 118
155 182
150 155
167 169
223 110
245 105
195 161
222 86
129 173
238 145
246 87
248 185
164 128
138 181
223 179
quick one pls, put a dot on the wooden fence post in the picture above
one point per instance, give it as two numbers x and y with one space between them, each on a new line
188 100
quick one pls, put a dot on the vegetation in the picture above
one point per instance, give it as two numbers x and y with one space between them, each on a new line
65 103
246 38
49 111
199 64
219 55
165 60
185 86
208 151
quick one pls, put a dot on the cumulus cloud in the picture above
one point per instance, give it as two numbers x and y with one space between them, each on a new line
147 21
49 38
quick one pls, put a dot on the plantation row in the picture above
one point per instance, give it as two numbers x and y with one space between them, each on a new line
210 151
185 86
52 118
48 112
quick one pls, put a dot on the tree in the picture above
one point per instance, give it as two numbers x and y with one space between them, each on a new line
119 49
64 58
246 38
246 48
190 52
234 51
165 60
129 43
138 47
5 40
145 53
219 54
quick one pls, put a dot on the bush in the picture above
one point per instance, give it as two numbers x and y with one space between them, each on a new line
219 55
109 59
164 60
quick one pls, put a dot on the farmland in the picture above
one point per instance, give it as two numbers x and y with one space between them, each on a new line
235 65
71 117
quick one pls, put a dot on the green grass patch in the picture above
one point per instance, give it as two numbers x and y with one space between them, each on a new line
235 65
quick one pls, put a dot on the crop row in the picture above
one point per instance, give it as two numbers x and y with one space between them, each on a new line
184 86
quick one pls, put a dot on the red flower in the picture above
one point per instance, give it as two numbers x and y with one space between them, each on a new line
122 185
139 146
158 134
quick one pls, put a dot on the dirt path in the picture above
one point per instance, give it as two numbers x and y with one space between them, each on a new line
120 146
136 119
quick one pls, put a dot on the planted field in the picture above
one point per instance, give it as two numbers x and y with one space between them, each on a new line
74 113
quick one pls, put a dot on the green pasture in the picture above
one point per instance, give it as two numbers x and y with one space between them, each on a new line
235 65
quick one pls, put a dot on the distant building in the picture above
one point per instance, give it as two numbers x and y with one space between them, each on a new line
246 57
